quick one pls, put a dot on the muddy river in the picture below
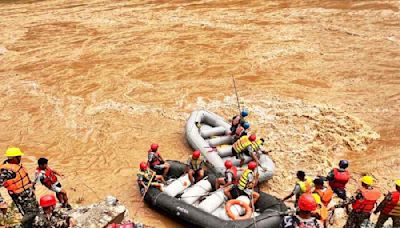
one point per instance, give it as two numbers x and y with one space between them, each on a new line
91 84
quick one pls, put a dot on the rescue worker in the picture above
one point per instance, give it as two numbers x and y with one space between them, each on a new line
238 120
48 177
230 176
303 185
363 203
156 162
14 177
390 208
241 130
338 178
50 217
325 193
323 196
247 182
195 167
147 177
250 146
304 218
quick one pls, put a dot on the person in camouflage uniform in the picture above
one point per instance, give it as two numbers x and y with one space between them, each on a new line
14 177
50 217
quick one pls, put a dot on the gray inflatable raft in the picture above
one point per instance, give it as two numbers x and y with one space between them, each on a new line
209 133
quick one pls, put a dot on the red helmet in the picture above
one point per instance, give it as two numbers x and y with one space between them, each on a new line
196 154
252 165
252 137
228 164
47 201
154 147
307 202
143 166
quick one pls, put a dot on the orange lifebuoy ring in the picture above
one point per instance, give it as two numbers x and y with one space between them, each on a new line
245 206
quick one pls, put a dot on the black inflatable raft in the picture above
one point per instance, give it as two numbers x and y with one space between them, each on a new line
270 208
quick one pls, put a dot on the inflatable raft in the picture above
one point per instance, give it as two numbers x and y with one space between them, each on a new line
208 132
200 205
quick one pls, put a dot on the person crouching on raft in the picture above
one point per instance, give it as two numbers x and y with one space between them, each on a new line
230 176
250 146
156 162
147 176
48 177
195 167
246 185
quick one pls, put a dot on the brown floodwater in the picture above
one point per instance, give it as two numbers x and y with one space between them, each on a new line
91 84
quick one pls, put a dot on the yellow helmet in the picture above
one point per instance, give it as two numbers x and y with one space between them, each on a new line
13 152
368 180
397 183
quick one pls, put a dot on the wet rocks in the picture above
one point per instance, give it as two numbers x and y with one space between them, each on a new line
109 211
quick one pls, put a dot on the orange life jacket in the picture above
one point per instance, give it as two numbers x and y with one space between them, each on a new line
325 195
340 179
50 177
21 182
368 201
393 207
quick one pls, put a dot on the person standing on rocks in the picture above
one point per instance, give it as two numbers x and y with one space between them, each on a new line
303 185
304 217
363 203
14 177
50 217
390 208
48 177
156 162
338 178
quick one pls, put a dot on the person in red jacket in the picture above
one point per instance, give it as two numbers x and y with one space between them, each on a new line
363 203
338 179
48 177
390 208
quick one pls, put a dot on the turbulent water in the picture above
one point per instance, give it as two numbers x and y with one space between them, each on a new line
91 84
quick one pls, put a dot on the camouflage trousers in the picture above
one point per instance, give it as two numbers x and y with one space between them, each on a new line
27 205
356 219
383 218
